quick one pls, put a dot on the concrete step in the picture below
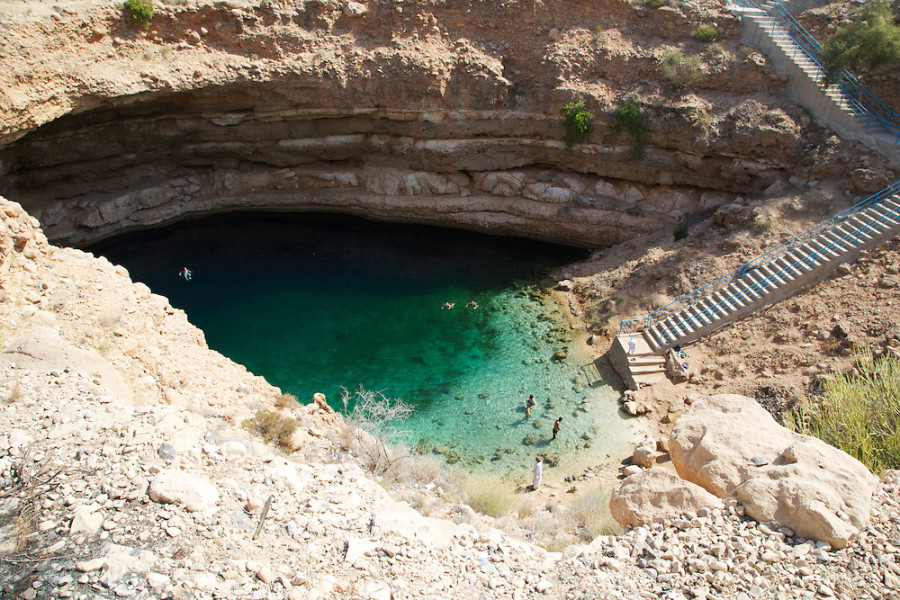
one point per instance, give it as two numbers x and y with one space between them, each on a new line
788 265
821 252
773 275
836 242
729 300
869 218
758 282
881 218
710 310
672 324
856 230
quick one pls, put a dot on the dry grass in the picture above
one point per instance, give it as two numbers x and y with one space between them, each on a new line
286 400
858 412
487 495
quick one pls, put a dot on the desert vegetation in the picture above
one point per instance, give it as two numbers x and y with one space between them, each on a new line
858 412
579 123
273 427
870 42
140 10
630 118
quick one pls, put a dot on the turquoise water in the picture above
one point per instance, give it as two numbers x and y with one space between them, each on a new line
318 303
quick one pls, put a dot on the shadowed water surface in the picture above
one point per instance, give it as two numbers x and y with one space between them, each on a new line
316 303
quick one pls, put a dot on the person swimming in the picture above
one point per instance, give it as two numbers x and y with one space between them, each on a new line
473 304
448 305
185 273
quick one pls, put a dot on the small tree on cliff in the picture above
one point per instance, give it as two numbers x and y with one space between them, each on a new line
579 123
870 42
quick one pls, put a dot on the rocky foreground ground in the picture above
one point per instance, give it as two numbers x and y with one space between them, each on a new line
124 472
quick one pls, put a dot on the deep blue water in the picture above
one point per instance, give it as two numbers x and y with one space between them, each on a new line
318 303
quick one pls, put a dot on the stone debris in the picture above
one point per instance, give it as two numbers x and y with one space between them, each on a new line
731 446
157 495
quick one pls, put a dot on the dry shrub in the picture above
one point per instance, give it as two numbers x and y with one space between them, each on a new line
590 514
286 400
273 427
373 421
416 469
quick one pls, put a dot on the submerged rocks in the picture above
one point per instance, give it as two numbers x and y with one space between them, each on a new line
731 446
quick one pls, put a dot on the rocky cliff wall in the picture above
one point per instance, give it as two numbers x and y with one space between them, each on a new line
425 113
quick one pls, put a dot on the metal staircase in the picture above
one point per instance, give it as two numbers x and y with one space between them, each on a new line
801 261
789 40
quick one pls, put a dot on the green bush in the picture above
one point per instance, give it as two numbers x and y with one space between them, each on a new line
140 10
680 69
871 41
654 3
714 50
630 118
705 33
579 123
599 36
858 413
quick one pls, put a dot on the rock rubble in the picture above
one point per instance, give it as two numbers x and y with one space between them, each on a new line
159 493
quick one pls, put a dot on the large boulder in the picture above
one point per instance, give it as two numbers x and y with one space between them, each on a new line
657 496
732 447
174 486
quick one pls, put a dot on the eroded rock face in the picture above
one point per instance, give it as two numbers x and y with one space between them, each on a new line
413 114
731 446
657 496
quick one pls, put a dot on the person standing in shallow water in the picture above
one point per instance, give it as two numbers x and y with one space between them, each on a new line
556 428
538 473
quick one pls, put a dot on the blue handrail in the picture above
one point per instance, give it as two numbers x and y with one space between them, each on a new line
629 326
803 264
870 110
866 106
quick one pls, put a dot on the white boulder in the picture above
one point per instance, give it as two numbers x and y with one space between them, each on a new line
657 496
174 486
732 447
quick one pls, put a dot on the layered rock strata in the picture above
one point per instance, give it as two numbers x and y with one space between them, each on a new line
417 114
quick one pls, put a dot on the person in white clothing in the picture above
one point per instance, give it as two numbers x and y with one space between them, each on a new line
538 473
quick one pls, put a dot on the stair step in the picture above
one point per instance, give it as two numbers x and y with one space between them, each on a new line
733 298
711 312
788 265
853 233
742 291
869 221
773 276
834 240
655 337
673 324
823 248
758 282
